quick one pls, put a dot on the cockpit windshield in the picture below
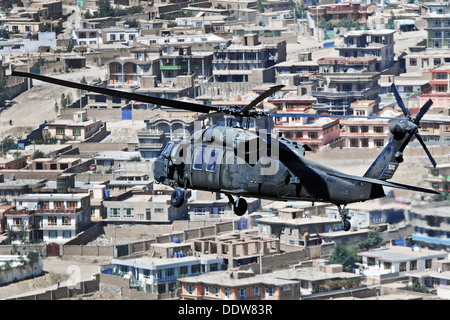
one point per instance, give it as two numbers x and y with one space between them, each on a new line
166 152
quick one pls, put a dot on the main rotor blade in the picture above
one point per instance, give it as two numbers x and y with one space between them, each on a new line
399 100
120 94
423 110
260 98
308 115
417 135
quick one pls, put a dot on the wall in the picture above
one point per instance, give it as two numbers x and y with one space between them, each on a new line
20 273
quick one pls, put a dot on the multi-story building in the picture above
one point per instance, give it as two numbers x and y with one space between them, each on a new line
123 35
431 224
437 17
344 81
77 129
316 133
365 133
439 177
50 217
378 44
349 10
439 92
247 60
84 37
162 128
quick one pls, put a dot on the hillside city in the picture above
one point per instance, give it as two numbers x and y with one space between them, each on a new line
82 217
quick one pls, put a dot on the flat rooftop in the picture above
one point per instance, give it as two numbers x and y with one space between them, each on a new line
401 254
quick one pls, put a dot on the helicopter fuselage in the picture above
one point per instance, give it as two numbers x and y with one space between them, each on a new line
245 163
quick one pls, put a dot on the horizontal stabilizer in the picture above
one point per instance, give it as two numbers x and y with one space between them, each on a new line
381 182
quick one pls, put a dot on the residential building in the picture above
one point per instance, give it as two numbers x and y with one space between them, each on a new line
10 162
123 35
32 43
77 129
237 249
378 44
149 206
247 60
22 26
85 37
431 225
50 217
298 72
53 9
398 261
214 208
238 285
439 177
12 188
54 164
348 10
365 133
316 133
439 91
161 128
113 160
437 17
160 275
344 81
435 277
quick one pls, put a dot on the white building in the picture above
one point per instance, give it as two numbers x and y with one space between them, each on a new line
158 275
49 217
399 261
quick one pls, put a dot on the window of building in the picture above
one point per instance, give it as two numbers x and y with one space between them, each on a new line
387 265
67 234
441 75
437 61
354 143
190 289
114 212
206 291
378 129
227 293
76 132
313 135
58 204
441 88
51 220
256 291
364 129
413 265
129 212
66 221
242 293
72 204
402 267
159 210
413 62
353 129
270 291
60 131
378 142
53 234
216 291
428 263
365 143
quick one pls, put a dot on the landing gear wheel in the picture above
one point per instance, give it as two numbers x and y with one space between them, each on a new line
177 198
346 225
240 206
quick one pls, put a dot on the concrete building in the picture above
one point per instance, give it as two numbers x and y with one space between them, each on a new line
439 177
437 17
160 275
431 225
398 261
50 217
122 35
239 285
113 160
316 133
438 276
344 80
237 249
150 206
378 44
247 60
85 37
80 128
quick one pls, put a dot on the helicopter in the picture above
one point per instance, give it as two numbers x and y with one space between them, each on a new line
242 163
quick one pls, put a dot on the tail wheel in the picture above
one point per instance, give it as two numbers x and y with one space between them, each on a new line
240 207
177 198
346 225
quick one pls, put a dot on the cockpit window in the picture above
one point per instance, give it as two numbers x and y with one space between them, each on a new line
211 163
166 152
198 159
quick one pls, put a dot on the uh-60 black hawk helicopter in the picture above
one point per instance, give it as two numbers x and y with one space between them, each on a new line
239 162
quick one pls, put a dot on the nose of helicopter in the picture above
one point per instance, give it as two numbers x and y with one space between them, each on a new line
158 170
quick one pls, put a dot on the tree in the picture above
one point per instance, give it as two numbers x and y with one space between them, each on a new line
7 143
342 255
374 239
38 154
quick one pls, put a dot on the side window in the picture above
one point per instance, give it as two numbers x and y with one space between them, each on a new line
211 163
198 159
